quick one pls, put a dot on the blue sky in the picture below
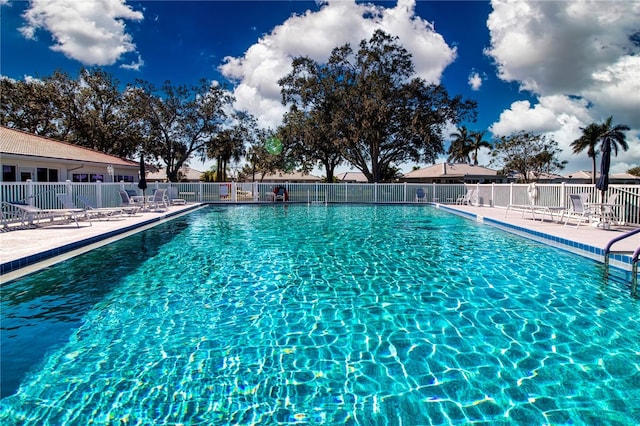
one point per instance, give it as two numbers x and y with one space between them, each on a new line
543 66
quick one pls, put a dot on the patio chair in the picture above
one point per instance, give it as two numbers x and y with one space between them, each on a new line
578 211
421 196
30 214
467 198
127 202
88 211
281 194
88 205
159 201
224 191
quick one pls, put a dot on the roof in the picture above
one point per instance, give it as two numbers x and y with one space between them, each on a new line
584 174
352 177
450 170
290 177
18 142
187 173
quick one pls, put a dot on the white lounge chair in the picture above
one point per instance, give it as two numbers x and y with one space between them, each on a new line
129 204
172 193
159 201
30 214
89 212
467 198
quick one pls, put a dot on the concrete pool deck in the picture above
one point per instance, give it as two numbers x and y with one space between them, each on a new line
23 251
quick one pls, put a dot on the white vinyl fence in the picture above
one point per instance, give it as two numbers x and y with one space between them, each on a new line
43 195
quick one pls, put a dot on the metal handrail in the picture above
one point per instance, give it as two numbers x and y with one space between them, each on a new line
607 248
634 272
634 259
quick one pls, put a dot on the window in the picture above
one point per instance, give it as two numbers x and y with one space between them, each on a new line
46 175
96 177
8 173
122 178
80 177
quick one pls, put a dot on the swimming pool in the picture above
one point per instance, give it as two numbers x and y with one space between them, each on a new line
320 315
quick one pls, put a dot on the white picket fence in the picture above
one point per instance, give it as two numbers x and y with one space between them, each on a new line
43 195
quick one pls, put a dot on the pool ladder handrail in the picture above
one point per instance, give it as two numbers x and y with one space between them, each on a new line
634 258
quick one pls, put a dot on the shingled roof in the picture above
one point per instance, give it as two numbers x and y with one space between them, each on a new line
22 143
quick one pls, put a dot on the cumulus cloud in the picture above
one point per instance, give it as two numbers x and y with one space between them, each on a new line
580 59
315 34
474 80
89 31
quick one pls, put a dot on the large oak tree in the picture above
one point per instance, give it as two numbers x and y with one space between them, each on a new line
367 107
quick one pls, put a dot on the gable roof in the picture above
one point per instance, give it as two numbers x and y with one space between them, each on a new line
26 144
358 177
450 170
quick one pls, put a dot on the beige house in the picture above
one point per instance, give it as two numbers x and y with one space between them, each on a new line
453 173
283 177
24 156
584 176
186 174
352 177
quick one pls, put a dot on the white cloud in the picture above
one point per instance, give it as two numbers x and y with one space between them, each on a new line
315 34
554 47
474 80
90 31
580 61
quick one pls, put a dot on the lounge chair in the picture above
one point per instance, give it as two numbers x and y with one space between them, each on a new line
578 211
467 198
30 214
89 212
128 203
421 196
88 205
159 201
172 193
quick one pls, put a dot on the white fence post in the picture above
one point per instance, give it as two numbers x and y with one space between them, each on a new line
99 194
30 189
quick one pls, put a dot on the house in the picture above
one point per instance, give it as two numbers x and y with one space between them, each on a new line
185 174
25 156
282 177
352 177
584 176
453 173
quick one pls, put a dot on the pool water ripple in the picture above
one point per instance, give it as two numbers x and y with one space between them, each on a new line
337 315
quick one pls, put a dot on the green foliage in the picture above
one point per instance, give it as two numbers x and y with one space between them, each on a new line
634 171
364 107
595 134
89 111
182 121
529 155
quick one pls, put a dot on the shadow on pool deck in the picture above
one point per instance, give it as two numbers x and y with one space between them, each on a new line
27 250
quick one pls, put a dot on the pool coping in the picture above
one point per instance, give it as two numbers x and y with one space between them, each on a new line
17 268
621 261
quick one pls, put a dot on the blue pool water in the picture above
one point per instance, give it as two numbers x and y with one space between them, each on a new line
321 315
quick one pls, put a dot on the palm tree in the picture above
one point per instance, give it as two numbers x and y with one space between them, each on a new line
460 147
600 133
588 140
477 143
614 135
